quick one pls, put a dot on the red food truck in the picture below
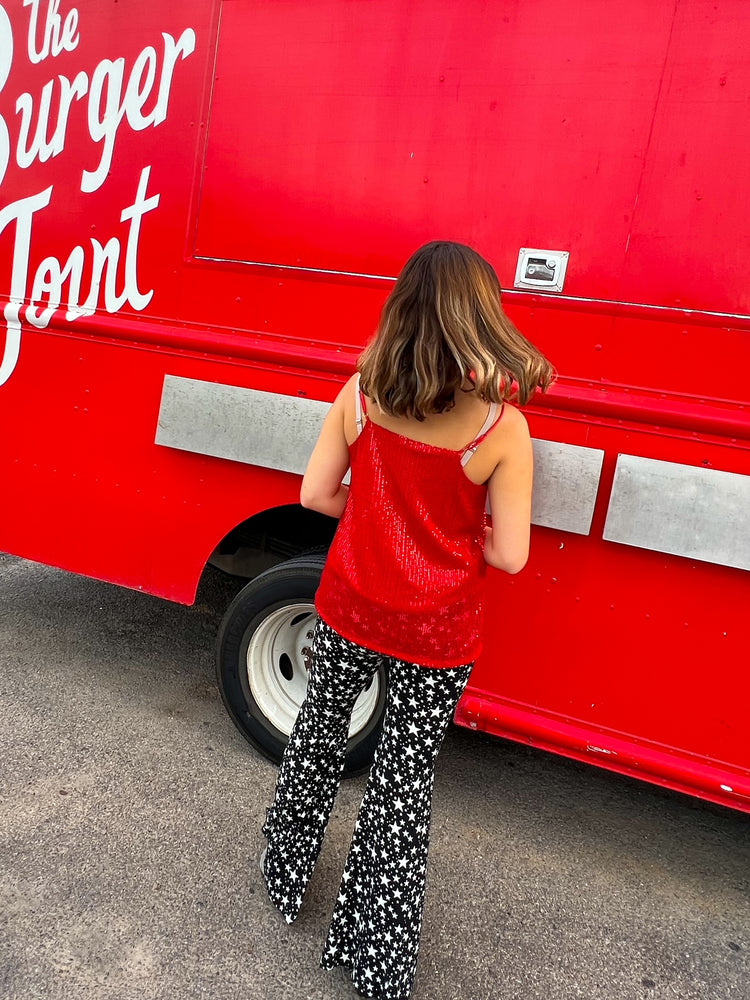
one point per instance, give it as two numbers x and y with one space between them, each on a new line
202 208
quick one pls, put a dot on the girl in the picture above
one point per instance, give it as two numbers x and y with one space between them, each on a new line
426 428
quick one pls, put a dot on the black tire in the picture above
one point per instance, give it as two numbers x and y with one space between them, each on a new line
261 663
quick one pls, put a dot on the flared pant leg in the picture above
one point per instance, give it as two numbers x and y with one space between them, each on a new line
312 765
376 923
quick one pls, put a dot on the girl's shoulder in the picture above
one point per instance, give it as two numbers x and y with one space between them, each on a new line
511 429
513 419
346 403
508 438
348 391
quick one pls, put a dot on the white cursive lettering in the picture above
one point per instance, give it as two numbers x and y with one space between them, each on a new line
57 36
108 76
39 148
51 276
19 212
112 96
6 61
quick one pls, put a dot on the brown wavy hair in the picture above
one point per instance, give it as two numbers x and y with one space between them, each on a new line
441 326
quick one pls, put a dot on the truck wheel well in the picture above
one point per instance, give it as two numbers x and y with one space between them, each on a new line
270 537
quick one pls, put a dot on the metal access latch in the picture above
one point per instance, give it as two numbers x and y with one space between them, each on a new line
541 269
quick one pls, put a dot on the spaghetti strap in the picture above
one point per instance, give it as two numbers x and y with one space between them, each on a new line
360 406
493 418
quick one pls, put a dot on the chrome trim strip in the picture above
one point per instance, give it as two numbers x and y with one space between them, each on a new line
293 267
548 296
676 310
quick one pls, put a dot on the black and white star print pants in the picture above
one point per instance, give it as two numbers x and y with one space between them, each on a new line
377 918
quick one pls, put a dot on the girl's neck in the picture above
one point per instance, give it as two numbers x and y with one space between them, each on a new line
453 428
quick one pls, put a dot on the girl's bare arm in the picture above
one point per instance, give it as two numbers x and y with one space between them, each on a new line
506 544
322 489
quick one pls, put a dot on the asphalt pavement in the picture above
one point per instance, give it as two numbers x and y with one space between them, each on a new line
130 814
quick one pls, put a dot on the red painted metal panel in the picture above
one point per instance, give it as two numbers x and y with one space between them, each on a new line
687 225
628 643
88 490
287 138
392 121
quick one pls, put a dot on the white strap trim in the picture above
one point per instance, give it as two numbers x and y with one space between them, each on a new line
491 416
470 451
358 406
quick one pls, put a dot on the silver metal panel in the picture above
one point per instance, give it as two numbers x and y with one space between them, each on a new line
279 432
680 509
566 480
244 425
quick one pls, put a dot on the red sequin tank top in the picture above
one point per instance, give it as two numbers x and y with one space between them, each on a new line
405 572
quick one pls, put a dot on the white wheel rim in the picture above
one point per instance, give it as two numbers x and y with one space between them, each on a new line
277 659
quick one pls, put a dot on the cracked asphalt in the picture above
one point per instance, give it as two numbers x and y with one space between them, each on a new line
130 811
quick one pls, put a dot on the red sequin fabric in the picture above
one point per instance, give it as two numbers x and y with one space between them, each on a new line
405 573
